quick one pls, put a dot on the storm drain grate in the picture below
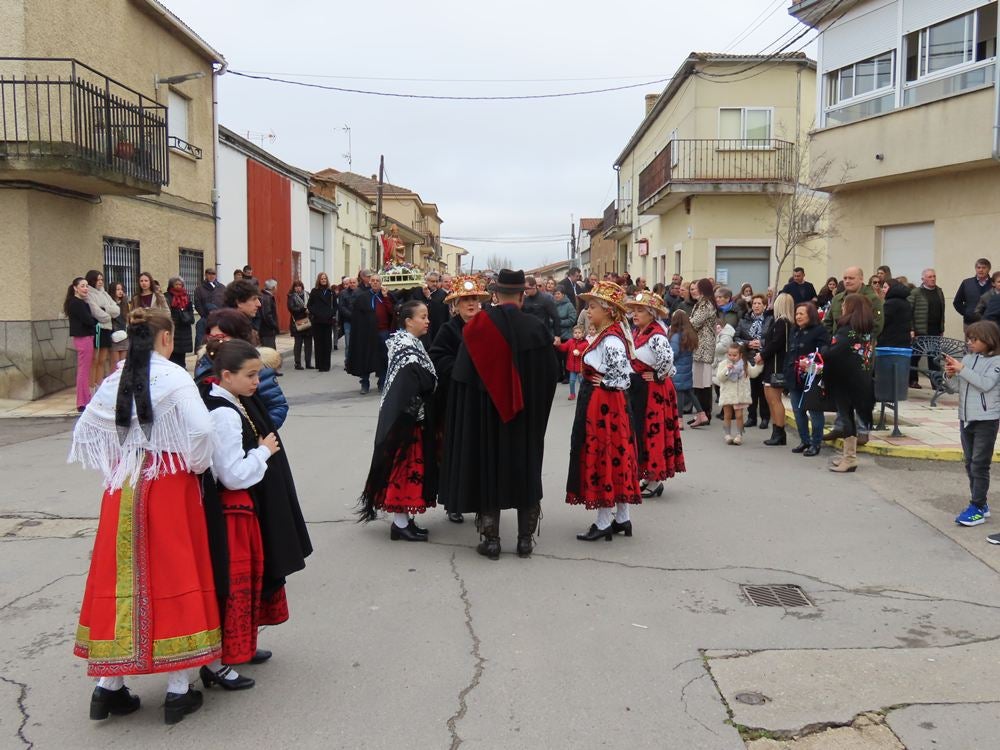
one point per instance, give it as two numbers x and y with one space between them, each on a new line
776 595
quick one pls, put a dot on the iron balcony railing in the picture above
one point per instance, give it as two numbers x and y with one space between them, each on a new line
718 161
59 107
181 145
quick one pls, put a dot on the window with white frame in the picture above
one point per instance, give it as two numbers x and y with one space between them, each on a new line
963 40
178 111
861 79
745 123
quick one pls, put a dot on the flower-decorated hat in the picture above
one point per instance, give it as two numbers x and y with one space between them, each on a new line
649 300
606 291
467 286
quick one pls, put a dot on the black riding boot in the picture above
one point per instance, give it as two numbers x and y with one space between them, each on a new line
527 524
489 530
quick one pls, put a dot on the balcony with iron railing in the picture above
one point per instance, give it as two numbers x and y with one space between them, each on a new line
617 220
65 125
716 167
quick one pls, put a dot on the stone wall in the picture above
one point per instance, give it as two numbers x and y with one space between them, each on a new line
36 358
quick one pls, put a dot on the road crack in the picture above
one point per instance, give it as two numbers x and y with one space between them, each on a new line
477 674
21 701
39 590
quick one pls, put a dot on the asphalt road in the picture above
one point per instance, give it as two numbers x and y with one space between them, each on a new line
398 645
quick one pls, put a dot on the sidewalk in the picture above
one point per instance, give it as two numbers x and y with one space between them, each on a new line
63 403
928 432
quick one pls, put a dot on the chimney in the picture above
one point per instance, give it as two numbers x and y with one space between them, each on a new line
651 102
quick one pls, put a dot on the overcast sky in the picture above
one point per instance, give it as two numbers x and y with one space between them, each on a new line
495 169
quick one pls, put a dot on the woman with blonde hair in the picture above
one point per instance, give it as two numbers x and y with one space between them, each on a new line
772 356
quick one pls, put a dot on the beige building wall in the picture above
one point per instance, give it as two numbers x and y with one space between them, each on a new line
718 220
48 239
354 231
964 208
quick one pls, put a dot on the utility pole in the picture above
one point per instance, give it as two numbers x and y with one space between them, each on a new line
348 155
378 211
572 241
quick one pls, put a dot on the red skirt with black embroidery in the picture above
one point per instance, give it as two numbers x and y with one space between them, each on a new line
661 453
603 462
404 492
246 608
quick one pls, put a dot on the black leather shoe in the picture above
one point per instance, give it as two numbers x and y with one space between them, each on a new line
176 707
800 448
812 450
752 422
653 493
593 534
407 534
456 518
299 367
260 656
105 702
834 434
764 424
489 548
618 528
364 391
416 529
209 678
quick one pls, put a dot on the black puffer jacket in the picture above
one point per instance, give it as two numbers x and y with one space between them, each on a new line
803 341
898 316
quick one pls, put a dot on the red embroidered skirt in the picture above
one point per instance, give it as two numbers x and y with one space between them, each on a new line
603 451
404 492
149 604
664 453
246 610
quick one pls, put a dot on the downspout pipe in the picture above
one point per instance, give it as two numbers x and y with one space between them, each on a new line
996 113
223 67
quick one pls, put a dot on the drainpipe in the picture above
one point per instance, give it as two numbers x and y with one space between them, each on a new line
215 153
996 115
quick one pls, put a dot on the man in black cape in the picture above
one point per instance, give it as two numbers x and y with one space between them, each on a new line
437 308
502 386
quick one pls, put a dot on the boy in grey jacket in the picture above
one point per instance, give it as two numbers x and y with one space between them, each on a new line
978 413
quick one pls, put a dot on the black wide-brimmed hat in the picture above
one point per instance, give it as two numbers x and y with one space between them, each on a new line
508 281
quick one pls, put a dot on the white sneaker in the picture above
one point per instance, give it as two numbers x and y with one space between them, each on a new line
728 438
738 440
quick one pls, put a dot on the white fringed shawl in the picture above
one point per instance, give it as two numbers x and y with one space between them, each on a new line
180 438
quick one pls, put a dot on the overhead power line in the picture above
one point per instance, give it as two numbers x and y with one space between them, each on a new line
401 95
755 24
451 80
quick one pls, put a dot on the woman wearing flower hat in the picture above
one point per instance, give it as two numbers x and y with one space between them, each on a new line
653 398
466 298
603 463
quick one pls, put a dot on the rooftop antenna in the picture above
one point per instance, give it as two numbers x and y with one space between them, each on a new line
350 163
269 136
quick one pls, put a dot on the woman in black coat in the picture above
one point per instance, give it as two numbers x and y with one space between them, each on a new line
897 313
848 362
772 355
808 337
182 313
322 307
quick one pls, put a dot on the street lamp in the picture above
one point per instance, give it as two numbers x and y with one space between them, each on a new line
178 78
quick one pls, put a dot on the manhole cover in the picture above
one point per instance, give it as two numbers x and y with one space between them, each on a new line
751 698
776 595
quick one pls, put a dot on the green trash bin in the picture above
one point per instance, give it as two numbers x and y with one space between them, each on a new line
892 373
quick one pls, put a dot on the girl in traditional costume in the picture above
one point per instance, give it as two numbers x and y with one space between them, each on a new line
150 602
257 530
603 464
653 398
402 479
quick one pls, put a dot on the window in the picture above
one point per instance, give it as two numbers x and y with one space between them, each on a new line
177 115
746 123
675 148
191 264
861 78
962 40
121 263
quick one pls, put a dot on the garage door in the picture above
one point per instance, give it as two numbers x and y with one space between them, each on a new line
908 249
735 266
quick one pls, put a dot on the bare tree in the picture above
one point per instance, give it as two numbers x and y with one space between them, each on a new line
495 262
805 214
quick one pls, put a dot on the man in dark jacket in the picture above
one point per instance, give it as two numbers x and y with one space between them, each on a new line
210 295
437 308
268 315
800 289
541 306
928 305
568 286
348 288
502 386
971 290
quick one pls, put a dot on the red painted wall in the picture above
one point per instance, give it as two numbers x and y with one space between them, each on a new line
269 235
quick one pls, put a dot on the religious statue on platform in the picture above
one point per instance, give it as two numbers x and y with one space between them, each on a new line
393 249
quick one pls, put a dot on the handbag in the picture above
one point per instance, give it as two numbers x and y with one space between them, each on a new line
303 324
778 378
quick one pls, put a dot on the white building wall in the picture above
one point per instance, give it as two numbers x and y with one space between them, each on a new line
300 221
232 250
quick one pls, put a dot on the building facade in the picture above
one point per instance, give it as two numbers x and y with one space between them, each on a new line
700 178
453 255
909 98
108 144
354 225
270 218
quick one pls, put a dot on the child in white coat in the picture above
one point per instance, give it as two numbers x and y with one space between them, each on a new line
734 373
